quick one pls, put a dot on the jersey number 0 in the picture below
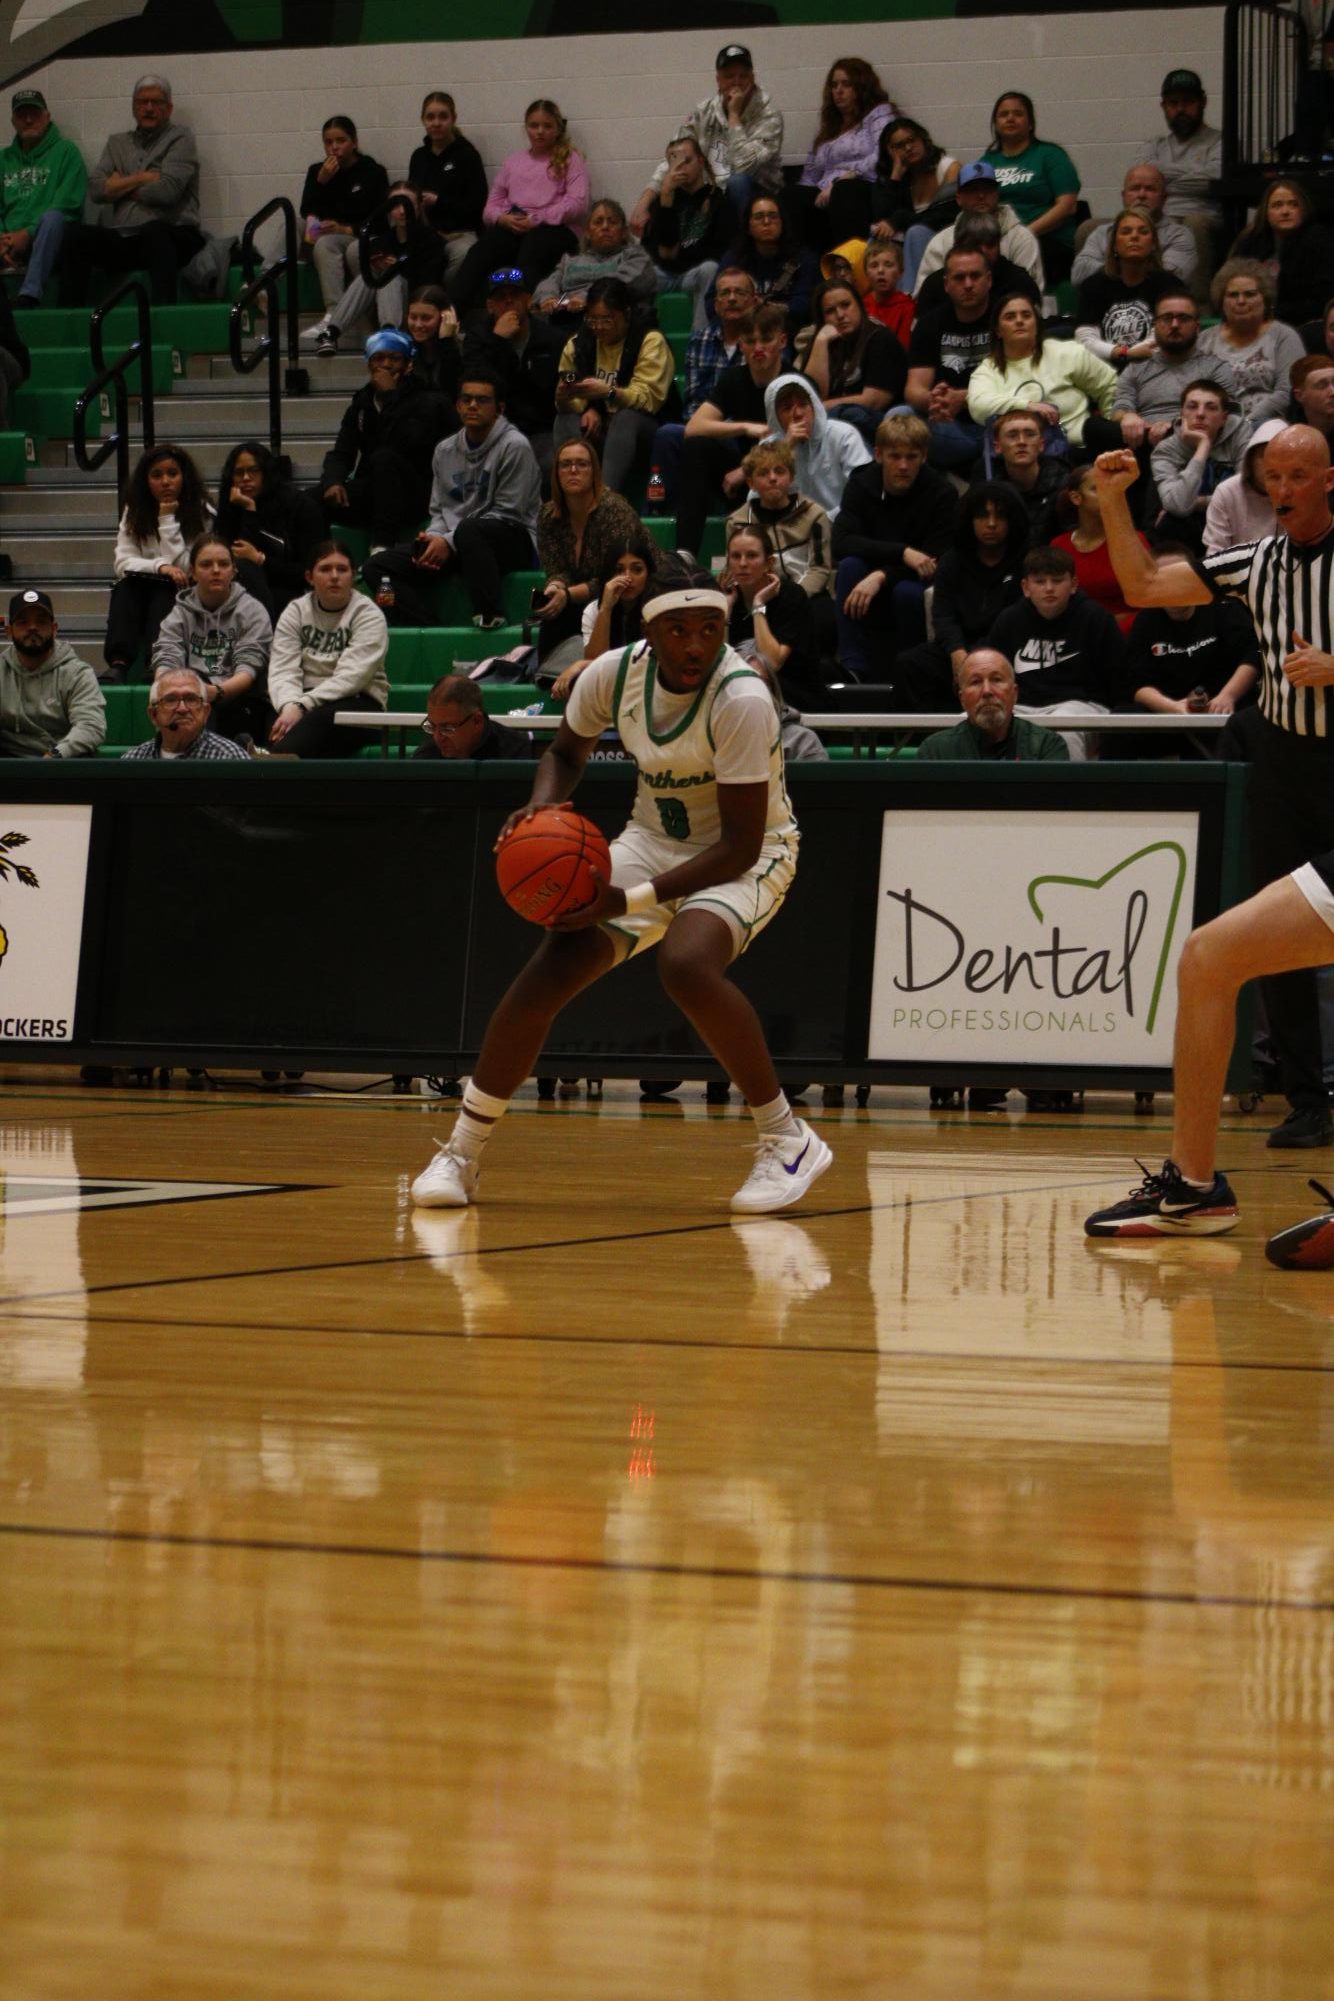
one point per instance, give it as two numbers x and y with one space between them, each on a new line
675 819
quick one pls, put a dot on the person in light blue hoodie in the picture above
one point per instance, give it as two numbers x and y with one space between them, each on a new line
827 449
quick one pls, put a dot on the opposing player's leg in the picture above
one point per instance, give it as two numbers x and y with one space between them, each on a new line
1287 925
694 962
562 966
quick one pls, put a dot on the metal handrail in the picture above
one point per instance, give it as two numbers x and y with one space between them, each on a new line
1264 57
376 220
294 380
111 375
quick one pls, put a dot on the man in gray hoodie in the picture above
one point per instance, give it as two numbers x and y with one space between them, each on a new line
224 635
485 492
50 703
1204 447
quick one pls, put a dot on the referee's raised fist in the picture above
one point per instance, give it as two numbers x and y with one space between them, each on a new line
1116 471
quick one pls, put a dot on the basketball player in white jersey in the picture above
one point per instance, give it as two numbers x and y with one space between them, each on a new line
1288 581
701 868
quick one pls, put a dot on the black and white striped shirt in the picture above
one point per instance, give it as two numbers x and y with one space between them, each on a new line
1289 587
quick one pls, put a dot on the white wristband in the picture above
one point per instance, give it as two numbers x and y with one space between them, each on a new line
640 900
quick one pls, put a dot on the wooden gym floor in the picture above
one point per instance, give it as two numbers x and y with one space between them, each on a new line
584 1596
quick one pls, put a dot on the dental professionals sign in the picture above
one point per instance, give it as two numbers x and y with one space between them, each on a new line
43 865
1031 937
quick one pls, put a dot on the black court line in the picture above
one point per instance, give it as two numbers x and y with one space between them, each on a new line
730 1573
521 1250
613 1341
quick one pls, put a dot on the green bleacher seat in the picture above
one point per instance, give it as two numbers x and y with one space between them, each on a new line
50 412
677 343
72 368
429 651
17 452
676 310
662 527
308 296
192 329
355 540
518 593
127 714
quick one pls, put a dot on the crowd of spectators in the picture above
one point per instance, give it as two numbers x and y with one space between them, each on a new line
900 366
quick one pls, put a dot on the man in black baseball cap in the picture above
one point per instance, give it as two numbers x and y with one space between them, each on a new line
739 131
50 703
1190 157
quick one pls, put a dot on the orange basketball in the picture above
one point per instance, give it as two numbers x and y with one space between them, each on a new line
545 867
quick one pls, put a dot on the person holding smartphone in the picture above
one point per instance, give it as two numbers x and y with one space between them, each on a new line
577 529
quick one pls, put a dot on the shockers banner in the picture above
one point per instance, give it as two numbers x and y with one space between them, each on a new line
43 866
1031 937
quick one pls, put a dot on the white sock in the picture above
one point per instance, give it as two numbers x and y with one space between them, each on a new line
775 1120
476 1122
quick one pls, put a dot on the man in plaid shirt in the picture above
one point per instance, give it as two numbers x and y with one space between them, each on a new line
707 355
179 703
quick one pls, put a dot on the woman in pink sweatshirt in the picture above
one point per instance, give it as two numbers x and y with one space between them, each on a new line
538 201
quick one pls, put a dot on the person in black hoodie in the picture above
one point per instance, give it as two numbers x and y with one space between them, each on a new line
340 192
269 525
433 327
378 474
689 225
509 340
1068 653
448 169
976 580
404 254
896 519
1286 233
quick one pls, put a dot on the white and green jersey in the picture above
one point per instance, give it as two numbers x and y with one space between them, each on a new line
724 733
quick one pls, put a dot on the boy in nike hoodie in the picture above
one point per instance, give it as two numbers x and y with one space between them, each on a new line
1067 652
485 492
223 634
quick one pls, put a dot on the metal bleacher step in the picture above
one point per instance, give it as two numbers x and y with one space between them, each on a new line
208 453
186 415
74 553
42 508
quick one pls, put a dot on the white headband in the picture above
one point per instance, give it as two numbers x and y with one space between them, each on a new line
685 600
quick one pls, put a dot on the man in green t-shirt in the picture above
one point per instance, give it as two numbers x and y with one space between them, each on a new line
42 185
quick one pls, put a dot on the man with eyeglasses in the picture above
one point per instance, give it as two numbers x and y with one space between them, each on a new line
149 178
506 340
178 708
1148 397
50 703
457 725
485 493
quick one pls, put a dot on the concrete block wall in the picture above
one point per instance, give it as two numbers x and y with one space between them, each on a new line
1095 79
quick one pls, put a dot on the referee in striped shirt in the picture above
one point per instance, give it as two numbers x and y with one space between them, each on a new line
1287 928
